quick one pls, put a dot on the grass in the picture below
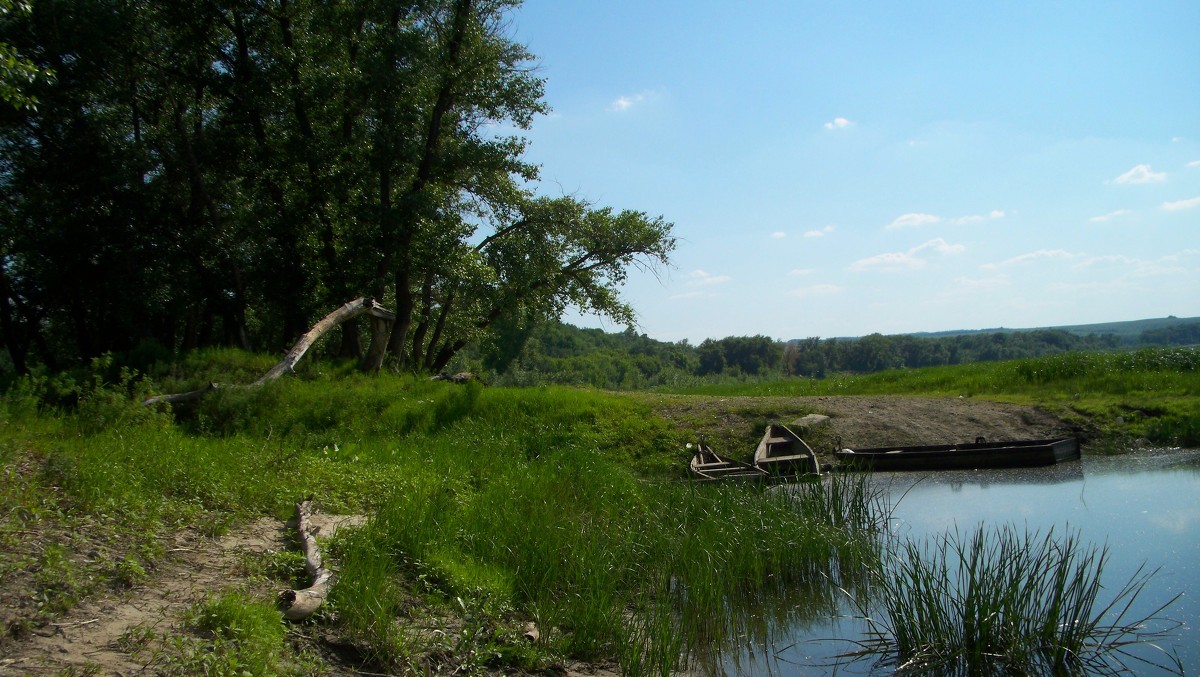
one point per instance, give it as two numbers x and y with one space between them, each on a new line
999 601
490 508
1114 397
617 566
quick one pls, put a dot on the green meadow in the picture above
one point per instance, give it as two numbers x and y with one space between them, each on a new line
488 509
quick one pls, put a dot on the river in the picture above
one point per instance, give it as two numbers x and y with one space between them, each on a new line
1144 506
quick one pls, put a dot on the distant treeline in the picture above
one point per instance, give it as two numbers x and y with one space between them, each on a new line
563 354
818 358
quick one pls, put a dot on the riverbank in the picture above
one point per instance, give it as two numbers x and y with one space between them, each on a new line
108 502
734 424
126 628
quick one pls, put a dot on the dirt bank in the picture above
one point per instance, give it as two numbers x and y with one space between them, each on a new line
733 423
877 421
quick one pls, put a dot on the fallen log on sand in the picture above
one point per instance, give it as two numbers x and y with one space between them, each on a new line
300 604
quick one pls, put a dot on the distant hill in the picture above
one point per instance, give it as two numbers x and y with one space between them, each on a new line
554 352
1129 330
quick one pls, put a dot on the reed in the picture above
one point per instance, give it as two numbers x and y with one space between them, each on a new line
653 573
1000 601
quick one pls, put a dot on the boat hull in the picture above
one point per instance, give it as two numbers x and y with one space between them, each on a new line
967 456
707 466
782 452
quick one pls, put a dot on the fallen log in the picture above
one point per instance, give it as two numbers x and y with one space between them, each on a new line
348 311
300 604
460 377
182 398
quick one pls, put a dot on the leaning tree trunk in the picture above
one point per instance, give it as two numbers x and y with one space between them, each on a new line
348 311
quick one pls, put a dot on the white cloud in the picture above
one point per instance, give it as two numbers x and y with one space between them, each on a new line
1141 174
1129 267
698 278
900 261
912 220
1194 164
1107 260
891 261
800 272
1180 205
1031 256
1186 253
940 246
778 235
993 282
1110 216
839 123
819 233
625 102
815 290
979 218
691 295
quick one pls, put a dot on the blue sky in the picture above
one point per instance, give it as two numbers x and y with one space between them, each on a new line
837 169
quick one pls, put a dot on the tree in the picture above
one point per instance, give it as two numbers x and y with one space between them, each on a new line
224 172
17 73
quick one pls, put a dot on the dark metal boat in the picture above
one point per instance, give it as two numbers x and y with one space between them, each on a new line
966 456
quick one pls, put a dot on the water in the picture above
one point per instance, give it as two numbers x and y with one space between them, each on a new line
1145 507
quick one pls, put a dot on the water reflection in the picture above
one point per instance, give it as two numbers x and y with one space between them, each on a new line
1144 507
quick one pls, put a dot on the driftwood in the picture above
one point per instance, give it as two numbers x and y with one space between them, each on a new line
460 377
300 604
352 309
531 632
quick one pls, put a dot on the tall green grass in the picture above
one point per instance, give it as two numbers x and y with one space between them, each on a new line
998 601
497 506
649 572
491 506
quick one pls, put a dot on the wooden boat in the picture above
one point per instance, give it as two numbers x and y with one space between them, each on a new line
967 456
782 452
707 465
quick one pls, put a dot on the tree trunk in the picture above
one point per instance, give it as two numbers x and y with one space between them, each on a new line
17 348
351 347
348 311
430 156
381 330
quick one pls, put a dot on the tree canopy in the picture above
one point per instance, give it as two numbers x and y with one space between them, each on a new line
226 172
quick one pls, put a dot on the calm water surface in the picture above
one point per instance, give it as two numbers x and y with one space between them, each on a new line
1145 507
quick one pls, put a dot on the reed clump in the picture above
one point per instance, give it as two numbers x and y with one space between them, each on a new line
654 573
998 601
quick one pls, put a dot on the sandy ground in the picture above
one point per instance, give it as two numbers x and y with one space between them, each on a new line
93 637
89 639
881 421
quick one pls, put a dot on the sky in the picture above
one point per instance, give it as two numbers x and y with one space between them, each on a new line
839 169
